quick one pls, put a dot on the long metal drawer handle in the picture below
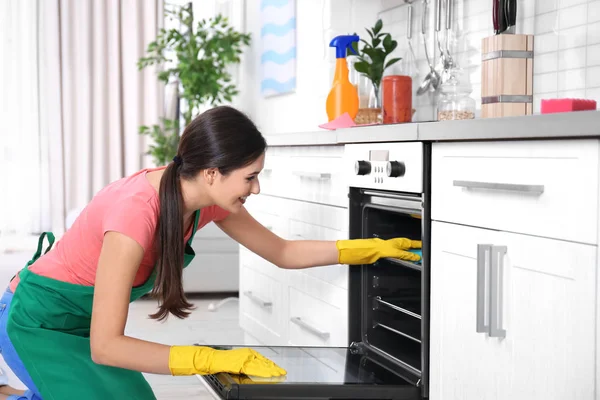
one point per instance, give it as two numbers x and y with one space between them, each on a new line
483 260
513 187
257 300
311 329
313 175
497 292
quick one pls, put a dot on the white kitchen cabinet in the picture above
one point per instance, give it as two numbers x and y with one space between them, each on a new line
545 188
307 173
545 299
303 197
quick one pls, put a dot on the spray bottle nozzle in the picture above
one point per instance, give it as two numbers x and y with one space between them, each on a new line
341 43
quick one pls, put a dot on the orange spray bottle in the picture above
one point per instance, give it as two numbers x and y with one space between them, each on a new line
343 96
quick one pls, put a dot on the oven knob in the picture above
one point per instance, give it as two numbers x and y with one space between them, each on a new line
395 169
362 167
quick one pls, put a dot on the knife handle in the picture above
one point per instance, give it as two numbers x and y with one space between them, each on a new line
501 16
495 15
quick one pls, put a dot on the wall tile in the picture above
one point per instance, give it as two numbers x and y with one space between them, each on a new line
572 58
572 79
546 43
572 37
593 94
545 63
545 6
593 77
593 33
572 94
570 3
545 23
572 16
544 83
594 11
593 55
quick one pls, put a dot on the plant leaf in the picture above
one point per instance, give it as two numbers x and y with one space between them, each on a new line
387 43
392 62
378 26
362 67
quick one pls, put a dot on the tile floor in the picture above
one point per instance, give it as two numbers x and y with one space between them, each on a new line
203 326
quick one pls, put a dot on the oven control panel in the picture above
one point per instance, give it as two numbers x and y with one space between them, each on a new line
388 166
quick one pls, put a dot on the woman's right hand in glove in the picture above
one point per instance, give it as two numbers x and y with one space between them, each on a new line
201 360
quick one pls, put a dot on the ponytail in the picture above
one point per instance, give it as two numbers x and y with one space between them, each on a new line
168 286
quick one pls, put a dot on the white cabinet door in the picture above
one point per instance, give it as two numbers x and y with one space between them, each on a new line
464 365
548 290
537 300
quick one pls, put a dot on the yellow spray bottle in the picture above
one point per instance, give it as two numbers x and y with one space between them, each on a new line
343 96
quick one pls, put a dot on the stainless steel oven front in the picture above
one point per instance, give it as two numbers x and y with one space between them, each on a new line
389 194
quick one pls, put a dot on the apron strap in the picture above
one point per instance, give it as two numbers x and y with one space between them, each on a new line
38 252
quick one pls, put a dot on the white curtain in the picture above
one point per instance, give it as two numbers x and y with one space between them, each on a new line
75 103
20 205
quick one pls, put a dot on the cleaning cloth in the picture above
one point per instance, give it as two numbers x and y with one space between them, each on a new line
419 252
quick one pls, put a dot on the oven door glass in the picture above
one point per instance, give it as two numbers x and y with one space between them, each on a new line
315 372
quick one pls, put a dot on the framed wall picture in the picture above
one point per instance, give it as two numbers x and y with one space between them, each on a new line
278 47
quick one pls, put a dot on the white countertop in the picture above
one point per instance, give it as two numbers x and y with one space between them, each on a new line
582 124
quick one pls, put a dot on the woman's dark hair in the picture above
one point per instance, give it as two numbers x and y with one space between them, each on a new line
222 138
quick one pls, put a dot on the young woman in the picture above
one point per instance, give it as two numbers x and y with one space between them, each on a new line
63 316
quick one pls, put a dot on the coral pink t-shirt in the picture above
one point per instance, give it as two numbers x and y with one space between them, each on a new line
130 206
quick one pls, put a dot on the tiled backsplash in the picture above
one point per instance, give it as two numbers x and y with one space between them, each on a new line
566 43
566 63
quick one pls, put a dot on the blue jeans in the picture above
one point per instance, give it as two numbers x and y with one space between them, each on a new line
10 355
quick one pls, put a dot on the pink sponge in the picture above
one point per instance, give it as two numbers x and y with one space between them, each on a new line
565 105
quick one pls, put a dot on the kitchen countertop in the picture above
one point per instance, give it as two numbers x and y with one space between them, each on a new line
581 124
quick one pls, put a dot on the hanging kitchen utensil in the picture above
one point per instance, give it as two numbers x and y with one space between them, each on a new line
432 80
501 15
442 65
495 5
511 16
409 61
449 7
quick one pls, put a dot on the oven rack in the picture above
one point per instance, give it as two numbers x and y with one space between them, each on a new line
404 263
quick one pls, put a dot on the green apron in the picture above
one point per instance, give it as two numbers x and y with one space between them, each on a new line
49 327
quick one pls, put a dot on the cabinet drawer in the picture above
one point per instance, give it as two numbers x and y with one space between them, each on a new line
310 173
318 214
335 274
261 303
317 179
248 259
313 322
543 188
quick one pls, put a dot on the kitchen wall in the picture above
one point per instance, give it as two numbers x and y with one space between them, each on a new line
566 63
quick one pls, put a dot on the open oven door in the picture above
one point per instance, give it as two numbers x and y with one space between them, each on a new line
316 373
388 323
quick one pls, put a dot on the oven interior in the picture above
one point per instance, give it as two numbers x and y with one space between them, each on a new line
391 300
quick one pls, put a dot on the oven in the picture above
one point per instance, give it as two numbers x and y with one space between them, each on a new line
387 356
389 196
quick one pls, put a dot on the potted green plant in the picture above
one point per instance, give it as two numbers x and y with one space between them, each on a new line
369 61
197 59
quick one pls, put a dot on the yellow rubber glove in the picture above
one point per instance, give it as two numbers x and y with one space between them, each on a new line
200 360
367 251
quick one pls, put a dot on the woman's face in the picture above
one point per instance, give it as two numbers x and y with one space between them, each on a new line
231 191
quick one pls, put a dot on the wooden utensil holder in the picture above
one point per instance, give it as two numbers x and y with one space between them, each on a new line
506 76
